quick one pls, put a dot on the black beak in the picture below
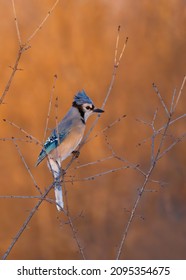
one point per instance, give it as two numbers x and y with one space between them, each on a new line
97 110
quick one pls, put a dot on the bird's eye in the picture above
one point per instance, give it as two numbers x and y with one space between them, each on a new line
88 107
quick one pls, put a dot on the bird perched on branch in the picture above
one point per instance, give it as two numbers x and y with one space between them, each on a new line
65 138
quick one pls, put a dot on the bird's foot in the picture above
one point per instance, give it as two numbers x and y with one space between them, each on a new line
76 154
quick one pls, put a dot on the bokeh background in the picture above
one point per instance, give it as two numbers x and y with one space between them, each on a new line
77 43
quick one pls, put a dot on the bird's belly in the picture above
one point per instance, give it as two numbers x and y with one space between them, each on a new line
69 144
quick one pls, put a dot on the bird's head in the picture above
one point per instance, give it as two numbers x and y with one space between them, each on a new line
85 105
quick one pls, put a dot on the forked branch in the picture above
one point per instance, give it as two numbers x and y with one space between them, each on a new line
154 159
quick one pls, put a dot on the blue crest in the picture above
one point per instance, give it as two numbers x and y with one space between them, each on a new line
81 98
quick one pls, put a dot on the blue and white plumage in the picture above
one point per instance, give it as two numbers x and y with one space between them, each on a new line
65 138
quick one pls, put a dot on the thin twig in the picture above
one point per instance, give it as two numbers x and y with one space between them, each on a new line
94 162
160 98
105 100
49 107
20 196
28 135
42 23
76 238
14 70
132 165
117 44
16 139
57 127
152 166
153 136
116 65
122 52
161 128
22 47
70 222
106 128
27 168
52 201
170 147
33 211
16 24
180 93
93 177
173 101
140 193
26 222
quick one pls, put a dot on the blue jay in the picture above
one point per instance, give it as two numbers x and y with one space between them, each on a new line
65 138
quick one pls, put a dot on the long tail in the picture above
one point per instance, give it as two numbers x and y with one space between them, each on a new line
59 196
55 168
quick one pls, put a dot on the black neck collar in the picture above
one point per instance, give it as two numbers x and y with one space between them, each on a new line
80 109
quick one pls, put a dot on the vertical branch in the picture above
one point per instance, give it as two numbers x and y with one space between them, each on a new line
172 101
154 159
56 118
180 92
42 23
16 23
76 238
57 125
70 222
140 193
153 136
49 107
14 70
22 46
116 65
161 99
116 48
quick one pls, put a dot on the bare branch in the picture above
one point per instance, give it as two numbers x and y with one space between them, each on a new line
161 128
16 139
106 128
42 23
20 196
14 70
49 107
180 92
110 86
172 101
74 231
28 135
70 222
16 24
179 139
116 48
161 99
93 177
94 162
153 162
27 168
22 47
26 222
122 52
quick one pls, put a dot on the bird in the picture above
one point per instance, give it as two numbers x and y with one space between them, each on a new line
65 139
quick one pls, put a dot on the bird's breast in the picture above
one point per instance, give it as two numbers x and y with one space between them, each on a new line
68 145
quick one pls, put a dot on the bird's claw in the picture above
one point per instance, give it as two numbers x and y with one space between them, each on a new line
76 154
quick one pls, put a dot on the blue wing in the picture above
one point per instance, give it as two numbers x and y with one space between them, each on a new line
51 143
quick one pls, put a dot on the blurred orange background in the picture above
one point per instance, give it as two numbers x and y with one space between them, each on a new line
77 43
